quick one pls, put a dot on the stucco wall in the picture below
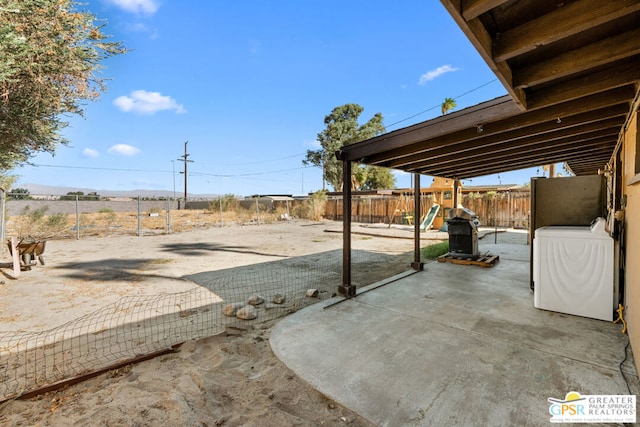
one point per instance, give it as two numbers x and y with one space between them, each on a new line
632 231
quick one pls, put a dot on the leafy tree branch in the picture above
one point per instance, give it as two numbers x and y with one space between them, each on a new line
50 61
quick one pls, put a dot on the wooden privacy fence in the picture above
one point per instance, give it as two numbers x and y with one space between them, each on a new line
392 209
502 209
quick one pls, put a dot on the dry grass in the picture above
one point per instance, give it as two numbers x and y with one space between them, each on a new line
40 226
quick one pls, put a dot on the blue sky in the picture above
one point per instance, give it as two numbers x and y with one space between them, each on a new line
248 84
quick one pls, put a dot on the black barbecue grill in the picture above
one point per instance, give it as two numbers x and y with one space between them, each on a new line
463 233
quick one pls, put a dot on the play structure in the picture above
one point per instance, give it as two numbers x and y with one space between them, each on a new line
442 190
427 222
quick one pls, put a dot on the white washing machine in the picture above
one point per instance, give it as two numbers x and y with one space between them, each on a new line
573 270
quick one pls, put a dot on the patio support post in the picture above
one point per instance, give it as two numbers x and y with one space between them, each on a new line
456 188
416 264
347 290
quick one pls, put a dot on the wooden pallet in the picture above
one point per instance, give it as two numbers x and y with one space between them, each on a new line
484 260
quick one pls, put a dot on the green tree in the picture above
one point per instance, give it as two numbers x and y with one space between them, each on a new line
19 194
379 178
50 55
342 129
79 195
448 105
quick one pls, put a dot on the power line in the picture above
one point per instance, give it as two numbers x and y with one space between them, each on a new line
248 174
185 158
438 106
254 163
192 173
102 169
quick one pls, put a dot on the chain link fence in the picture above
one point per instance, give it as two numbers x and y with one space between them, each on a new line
142 325
43 217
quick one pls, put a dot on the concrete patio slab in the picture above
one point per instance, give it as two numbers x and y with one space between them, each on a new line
453 345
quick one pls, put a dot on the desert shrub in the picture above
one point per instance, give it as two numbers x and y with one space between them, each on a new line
34 215
155 209
108 215
313 207
56 221
35 224
229 202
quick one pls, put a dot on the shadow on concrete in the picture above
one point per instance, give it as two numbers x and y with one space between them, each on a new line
454 345
322 270
202 249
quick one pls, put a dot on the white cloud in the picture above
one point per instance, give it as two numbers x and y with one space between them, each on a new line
315 144
142 28
90 153
137 27
124 150
143 102
147 7
430 75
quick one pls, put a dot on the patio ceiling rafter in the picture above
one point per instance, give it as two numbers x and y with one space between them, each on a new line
572 72
571 69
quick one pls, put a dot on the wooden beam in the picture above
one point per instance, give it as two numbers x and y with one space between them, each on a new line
599 157
597 140
494 110
589 164
581 123
616 76
405 145
488 154
592 169
594 55
483 42
474 8
417 263
566 21
516 152
347 290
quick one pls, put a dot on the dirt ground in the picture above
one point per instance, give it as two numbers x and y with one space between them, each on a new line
230 379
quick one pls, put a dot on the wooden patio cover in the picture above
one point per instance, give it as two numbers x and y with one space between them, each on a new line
572 70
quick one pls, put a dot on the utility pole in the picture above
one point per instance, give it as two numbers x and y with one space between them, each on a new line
185 158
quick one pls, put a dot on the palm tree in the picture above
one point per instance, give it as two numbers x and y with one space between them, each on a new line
448 105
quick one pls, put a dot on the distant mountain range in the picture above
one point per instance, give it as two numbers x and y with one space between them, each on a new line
48 190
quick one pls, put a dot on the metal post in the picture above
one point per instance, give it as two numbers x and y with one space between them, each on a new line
220 210
495 219
456 187
257 211
346 289
168 215
416 264
139 217
77 220
3 204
